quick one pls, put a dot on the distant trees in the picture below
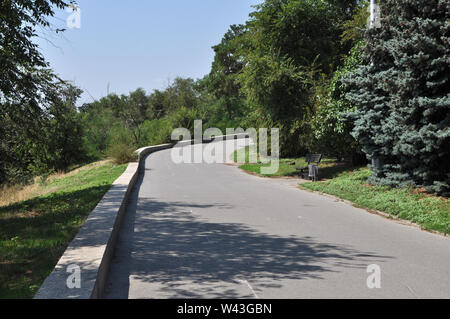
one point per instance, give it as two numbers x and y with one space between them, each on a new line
139 119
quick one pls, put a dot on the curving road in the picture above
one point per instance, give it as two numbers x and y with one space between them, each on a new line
213 231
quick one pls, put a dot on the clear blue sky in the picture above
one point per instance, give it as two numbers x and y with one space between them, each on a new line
139 43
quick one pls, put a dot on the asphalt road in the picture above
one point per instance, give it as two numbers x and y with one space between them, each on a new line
213 231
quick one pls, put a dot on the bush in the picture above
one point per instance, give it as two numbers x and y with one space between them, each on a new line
157 131
122 153
120 146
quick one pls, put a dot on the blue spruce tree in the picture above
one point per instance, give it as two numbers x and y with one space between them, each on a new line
403 95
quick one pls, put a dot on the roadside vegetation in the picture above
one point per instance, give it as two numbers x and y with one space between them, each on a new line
38 221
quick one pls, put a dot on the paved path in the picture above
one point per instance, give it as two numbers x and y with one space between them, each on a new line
213 231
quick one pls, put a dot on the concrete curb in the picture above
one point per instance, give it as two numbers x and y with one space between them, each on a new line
93 248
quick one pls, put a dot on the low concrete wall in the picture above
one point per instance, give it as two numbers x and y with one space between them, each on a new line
93 248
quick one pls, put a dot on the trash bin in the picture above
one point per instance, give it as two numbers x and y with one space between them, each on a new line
313 171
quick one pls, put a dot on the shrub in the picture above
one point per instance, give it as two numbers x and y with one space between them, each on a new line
120 146
122 153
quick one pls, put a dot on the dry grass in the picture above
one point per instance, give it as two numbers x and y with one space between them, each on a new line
15 194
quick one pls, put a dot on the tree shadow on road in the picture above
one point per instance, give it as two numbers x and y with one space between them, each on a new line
183 256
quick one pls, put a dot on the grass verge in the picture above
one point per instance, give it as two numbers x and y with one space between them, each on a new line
428 211
35 232
328 167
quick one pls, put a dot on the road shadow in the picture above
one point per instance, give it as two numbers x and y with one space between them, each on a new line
180 255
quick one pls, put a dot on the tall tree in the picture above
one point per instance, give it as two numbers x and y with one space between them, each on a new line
227 64
287 42
133 111
403 96
25 82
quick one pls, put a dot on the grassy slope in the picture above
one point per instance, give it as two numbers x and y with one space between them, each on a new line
34 233
430 212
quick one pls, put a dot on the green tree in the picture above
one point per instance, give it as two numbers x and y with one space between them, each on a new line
157 105
287 42
403 96
64 144
227 64
25 84
355 28
20 59
133 109
182 93
332 129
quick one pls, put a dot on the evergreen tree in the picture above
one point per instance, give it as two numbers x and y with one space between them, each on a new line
403 95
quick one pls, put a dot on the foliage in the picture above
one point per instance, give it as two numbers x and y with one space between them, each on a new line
52 141
287 42
355 28
27 87
222 80
331 128
402 97
61 143
21 78
120 145
122 153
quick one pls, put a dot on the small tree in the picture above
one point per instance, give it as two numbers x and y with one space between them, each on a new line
331 127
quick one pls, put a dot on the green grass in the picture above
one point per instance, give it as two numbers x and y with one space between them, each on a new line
328 167
34 233
430 212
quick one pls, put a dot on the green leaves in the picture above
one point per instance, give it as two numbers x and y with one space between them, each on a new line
402 99
20 58
287 47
